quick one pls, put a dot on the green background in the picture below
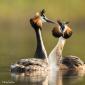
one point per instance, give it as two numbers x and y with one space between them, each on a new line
17 38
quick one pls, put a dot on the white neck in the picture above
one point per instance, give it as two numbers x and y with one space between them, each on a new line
55 55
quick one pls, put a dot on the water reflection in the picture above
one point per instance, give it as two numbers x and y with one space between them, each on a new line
74 73
52 78
72 77
55 78
29 80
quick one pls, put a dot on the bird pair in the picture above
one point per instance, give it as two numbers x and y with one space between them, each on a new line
61 30
41 62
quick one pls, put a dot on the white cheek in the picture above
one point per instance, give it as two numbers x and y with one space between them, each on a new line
59 28
42 20
66 27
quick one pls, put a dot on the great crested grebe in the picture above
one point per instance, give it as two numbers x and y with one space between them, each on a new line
40 62
63 32
36 67
36 23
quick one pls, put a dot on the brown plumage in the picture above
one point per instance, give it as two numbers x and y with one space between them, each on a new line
39 19
72 61
56 32
62 30
36 22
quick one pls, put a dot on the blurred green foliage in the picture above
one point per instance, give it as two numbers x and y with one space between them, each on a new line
17 38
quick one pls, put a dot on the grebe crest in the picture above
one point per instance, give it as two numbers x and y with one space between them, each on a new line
38 19
37 22
62 29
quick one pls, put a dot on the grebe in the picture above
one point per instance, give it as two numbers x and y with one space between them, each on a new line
40 62
36 23
63 32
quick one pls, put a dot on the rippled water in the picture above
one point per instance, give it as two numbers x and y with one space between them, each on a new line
52 78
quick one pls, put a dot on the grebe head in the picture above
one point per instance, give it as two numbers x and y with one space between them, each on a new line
57 32
38 19
62 30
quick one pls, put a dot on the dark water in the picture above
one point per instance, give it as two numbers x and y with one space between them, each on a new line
52 78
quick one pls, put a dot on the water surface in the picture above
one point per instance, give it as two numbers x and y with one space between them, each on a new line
52 78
